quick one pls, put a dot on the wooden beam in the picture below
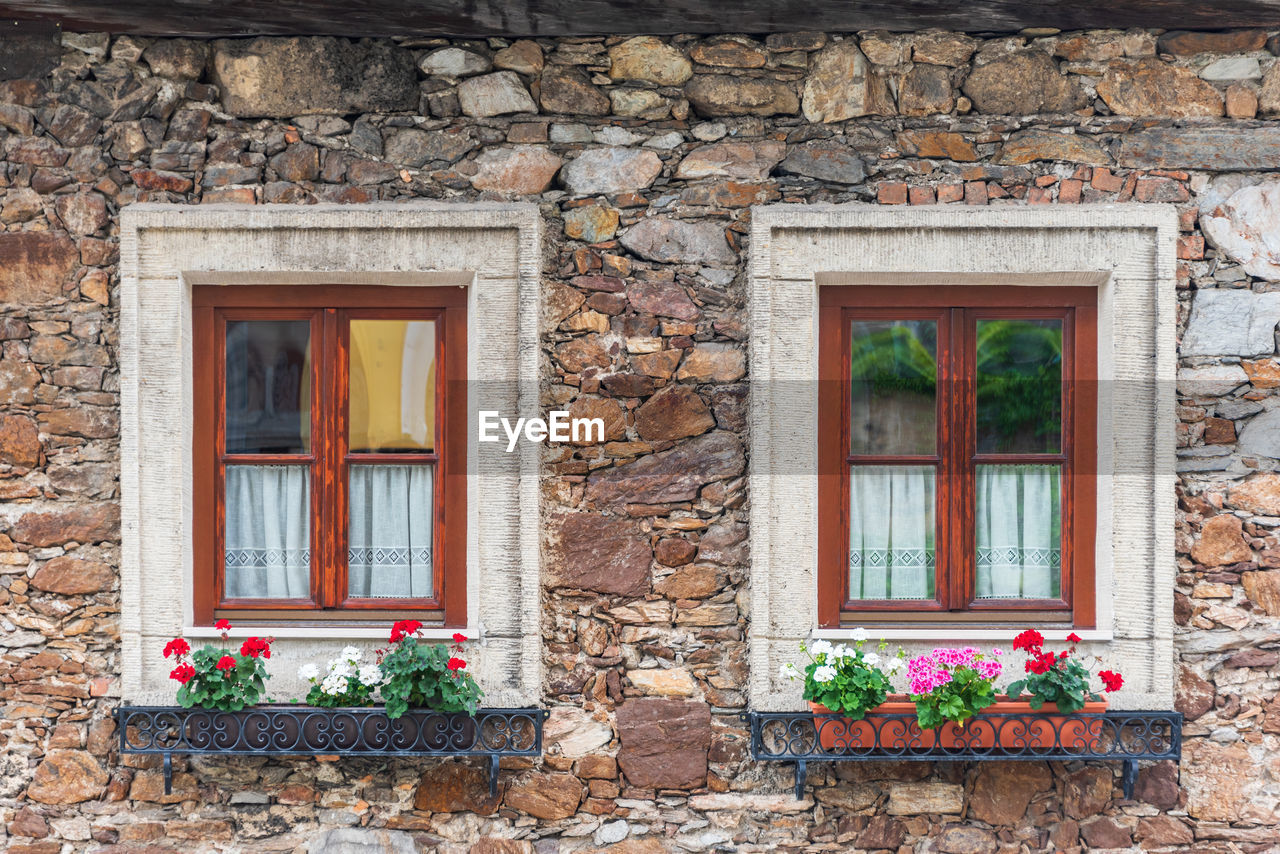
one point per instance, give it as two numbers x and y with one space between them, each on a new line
623 17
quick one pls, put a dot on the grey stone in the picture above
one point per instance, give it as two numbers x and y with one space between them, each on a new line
709 131
641 103
1244 227
1232 323
1021 83
1233 409
666 141
610 170
30 53
366 138
182 59
414 147
1212 381
297 76
825 162
1232 68
614 135
454 62
744 161
1261 435
569 91
1213 149
677 241
351 840
562 132
611 832
495 94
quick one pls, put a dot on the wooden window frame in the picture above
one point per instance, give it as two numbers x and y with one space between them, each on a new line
957 309
329 308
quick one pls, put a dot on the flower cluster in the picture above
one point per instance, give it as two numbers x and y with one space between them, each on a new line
1057 678
347 681
844 678
952 684
213 677
425 675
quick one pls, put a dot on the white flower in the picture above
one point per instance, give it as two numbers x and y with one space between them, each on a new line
788 671
893 665
871 659
842 651
338 667
824 674
350 653
859 634
821 648
370 675
334 684
309 672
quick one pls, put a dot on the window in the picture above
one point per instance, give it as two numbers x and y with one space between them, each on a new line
329 453
956 454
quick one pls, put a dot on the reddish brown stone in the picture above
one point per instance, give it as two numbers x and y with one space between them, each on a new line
1151 87
28 822
1106 833
1263 590
92 422
581 353
67 777
894 193
882 832
87 523
1219 431
694 582
83 213
1182 43
1157 785
568 90
546 796
1021 83
456 787
939 144
1261 493
151 179
664 743
607 411
1159 831
597 767
1086 792
1221 542
1003 790
675 475
19 441
298 162
1253 658
71 576
665 299
674 551
628 385
498 845
34 266
1193 696
673 413
601 553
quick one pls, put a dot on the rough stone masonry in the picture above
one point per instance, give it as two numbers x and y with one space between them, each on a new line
645 156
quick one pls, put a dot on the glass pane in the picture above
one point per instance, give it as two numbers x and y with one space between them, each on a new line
1019 386
893 372
393 386
1019 534
891 532
392 516
268 548
268 386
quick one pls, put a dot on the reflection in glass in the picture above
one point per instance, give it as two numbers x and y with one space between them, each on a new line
891 532
268 535
1019 386
268 386
893 376
389 552
1019 533
392 386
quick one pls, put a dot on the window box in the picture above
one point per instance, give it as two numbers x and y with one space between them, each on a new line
296 730
1012 725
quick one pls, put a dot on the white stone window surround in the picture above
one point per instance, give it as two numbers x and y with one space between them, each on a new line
1127 251
494 250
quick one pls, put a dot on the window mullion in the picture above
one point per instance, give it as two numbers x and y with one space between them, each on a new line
960 460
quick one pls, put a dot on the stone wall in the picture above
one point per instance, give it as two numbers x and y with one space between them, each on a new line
645 156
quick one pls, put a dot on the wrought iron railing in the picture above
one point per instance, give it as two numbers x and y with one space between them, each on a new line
802 737
307 730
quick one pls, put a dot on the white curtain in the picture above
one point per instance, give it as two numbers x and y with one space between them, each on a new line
891 532
268 547
1019 533
392 516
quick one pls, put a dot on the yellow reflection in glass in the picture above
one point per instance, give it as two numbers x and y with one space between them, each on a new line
392 386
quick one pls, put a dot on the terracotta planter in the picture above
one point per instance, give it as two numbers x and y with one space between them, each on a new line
1010 725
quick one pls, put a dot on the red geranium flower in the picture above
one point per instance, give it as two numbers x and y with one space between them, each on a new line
226 663
182 673
459 637
456 664
1030 640
1073 637
178 647
403 629
223 625
1112 680
253 647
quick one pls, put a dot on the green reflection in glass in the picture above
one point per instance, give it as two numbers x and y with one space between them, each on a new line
1019 386
893 384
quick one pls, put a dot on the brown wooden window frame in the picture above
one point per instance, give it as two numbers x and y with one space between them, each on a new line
957 308
329 308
